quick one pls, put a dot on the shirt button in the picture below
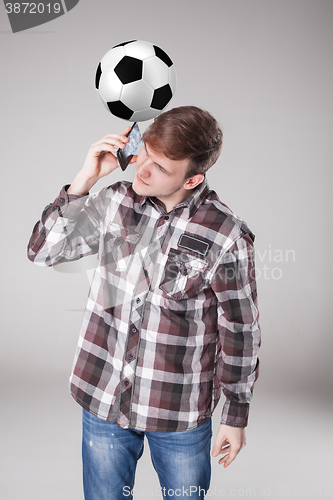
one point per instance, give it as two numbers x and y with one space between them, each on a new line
183 271
62 200
126 383
44 231
58 208
146 272
134 330
138 300
130 357
118 241
166 217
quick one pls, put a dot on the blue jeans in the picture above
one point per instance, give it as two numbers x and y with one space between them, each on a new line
110 455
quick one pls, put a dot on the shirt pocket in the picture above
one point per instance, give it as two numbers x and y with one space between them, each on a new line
120 245
183 275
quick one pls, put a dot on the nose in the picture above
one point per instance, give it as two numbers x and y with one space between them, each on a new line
144 168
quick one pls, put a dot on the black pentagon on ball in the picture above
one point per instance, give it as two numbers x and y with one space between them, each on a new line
162 55
119 109
129 70
98 75
124 43
161 97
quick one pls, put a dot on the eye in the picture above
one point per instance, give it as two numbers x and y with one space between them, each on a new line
160 168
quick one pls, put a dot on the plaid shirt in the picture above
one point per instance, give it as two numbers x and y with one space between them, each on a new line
172 314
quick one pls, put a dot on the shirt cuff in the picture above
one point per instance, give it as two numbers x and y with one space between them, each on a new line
70 203
73 196
235 414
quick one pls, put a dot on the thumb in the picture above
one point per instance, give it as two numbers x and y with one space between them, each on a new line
219 442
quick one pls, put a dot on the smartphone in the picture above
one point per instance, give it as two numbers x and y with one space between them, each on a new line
125 155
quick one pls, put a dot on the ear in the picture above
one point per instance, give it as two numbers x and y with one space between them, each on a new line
193 181
133 160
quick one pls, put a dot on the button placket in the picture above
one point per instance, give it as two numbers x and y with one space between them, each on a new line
129 371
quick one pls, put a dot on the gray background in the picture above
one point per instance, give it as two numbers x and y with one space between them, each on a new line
264 69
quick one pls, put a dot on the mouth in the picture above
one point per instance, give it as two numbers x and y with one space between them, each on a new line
141 181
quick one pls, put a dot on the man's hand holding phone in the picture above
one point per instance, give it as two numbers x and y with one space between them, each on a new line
100 161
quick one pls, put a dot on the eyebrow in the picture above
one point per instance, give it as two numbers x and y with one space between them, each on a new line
167 171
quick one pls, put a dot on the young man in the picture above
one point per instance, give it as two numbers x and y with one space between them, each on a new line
172 314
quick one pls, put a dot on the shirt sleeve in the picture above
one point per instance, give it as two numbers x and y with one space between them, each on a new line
237 363
69 229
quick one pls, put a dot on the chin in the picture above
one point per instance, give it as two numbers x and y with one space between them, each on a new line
140 189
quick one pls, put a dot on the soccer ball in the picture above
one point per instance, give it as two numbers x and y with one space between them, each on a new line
135 80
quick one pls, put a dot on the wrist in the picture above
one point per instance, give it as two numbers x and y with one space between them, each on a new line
81 185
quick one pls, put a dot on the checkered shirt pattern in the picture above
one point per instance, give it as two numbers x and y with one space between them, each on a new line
171 318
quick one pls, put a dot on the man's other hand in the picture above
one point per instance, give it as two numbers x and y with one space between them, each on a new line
229 441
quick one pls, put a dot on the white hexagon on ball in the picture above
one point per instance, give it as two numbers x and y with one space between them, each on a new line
112 58
139 49
155 72
143 115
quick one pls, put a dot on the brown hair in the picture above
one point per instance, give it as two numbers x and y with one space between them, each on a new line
186 132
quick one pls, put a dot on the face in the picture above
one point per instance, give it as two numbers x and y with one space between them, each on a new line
158 176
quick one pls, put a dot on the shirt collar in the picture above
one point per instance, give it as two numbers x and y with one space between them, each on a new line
192 202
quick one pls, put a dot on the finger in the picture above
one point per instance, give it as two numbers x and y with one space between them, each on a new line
113 139
107 146
220 439
233 451
118 140
122 136
227 459
222 461
218 445
127 129
224 450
